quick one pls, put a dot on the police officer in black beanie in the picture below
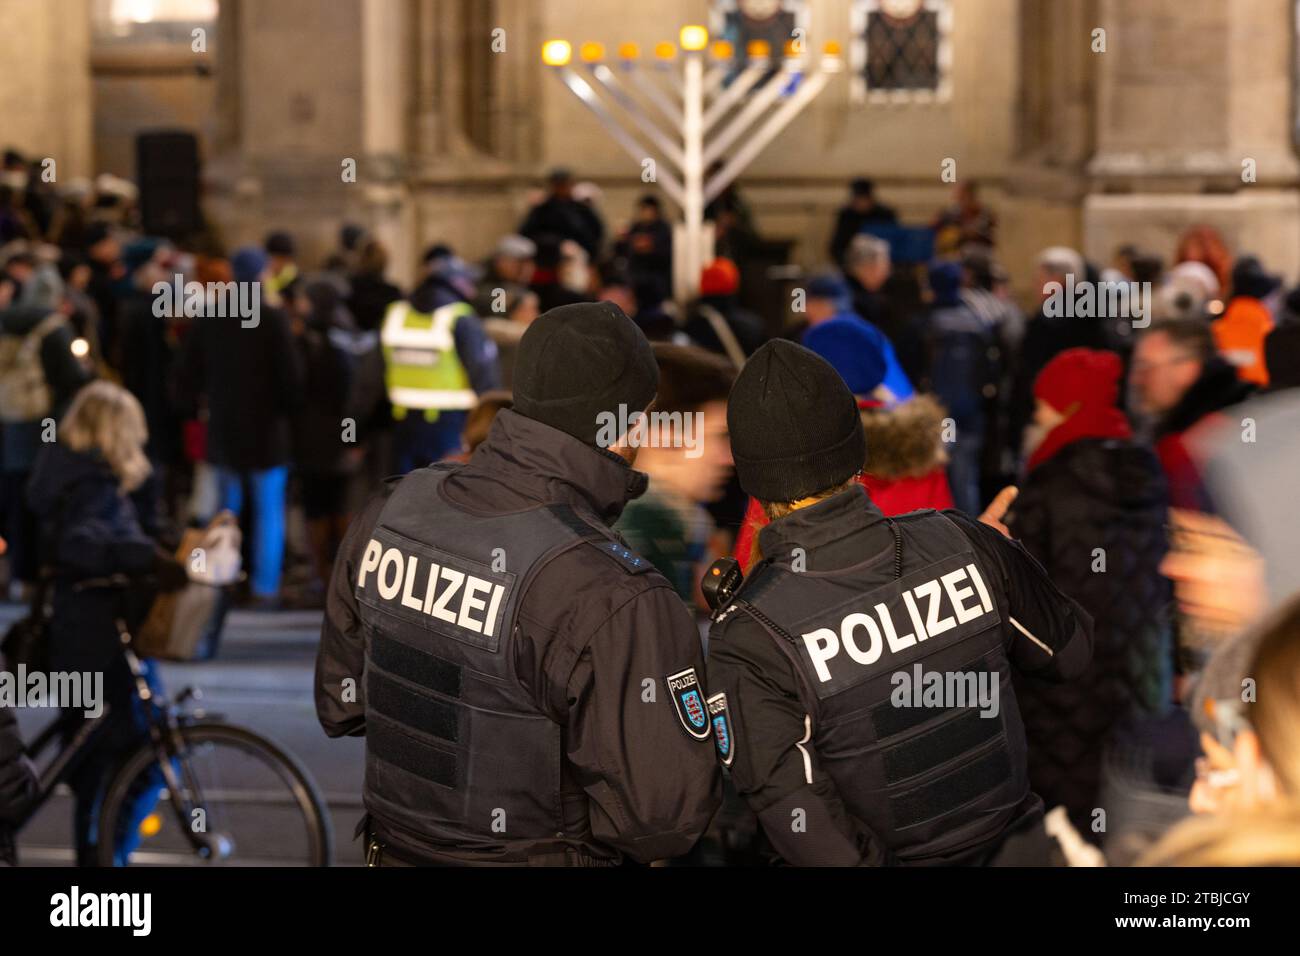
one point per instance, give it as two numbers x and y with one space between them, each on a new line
530 690
859 677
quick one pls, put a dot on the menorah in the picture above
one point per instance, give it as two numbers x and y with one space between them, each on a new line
689 119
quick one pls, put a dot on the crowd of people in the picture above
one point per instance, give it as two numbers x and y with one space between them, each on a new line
1124 436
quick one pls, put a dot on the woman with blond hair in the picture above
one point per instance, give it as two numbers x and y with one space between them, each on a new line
90 494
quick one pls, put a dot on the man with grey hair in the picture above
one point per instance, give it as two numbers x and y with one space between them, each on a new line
866 267
1055 263
871 250
512 261
509 266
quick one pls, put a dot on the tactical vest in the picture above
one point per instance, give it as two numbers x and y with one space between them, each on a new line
422 369
457 754
914 760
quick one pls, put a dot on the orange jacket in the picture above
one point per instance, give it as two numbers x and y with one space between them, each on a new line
1239 335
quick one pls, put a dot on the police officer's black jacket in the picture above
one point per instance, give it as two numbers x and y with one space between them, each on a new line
555 739
846 678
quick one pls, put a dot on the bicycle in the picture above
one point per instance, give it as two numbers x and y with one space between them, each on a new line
206 811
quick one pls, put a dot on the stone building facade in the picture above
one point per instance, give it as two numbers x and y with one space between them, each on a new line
1187 116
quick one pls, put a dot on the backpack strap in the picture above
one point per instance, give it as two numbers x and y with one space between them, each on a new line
33 339
725 336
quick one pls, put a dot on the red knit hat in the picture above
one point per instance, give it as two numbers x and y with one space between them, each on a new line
1082 377
720 277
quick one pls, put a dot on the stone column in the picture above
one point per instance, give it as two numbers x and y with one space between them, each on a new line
305 85
1194 125
45 94
1046 168
476 120
386 67
305 88
520 75
227 127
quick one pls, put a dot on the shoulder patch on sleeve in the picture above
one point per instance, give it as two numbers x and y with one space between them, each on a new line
688 701
720 719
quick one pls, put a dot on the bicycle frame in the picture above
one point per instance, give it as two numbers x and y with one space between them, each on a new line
169 744
64 762
164 733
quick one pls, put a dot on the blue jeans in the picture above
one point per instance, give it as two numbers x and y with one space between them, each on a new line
126 731
269 504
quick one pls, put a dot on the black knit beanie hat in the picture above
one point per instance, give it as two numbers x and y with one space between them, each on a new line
577 362
795 428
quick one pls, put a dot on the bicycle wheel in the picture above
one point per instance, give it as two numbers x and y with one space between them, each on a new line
242 802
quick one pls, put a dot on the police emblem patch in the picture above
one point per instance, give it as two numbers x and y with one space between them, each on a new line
720 718
688 699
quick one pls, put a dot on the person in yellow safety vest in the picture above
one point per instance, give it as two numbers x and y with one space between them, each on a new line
282 269
437 360
422 369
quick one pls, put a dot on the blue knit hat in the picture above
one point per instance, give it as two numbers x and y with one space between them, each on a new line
854 349
945 282
829 285
139 252
248 263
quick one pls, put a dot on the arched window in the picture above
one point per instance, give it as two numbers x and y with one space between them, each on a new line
901 51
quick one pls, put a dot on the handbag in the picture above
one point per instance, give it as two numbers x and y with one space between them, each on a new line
180 624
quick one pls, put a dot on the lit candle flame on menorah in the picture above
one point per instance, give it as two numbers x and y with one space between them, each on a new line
688 119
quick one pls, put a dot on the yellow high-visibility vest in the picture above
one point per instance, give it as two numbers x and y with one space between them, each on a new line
422 369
